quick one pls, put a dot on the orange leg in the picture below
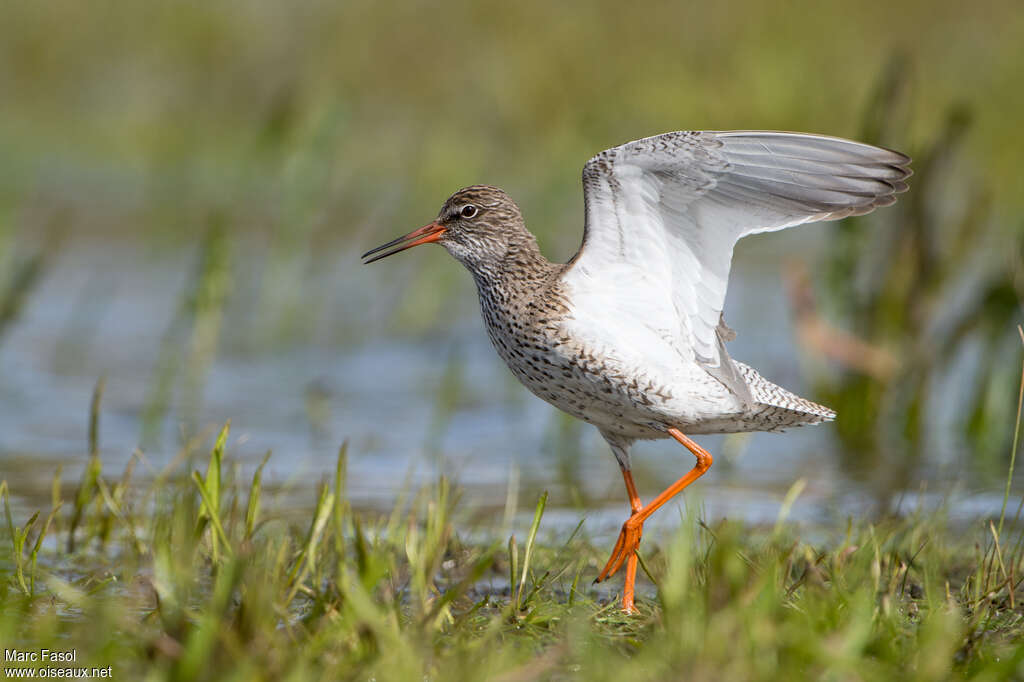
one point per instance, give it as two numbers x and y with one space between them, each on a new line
636 505
632 529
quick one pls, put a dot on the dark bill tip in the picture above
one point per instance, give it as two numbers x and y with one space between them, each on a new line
425 235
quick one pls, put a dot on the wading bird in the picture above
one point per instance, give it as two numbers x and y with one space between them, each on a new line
629 334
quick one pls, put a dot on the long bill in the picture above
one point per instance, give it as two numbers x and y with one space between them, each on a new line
425 235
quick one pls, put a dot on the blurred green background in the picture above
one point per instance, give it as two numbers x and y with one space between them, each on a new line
319 117
255 148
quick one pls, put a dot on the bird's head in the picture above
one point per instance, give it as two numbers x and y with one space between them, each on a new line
478 225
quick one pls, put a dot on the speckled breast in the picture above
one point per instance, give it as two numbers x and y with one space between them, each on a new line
555 368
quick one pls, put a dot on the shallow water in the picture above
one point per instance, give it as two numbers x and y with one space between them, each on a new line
411 405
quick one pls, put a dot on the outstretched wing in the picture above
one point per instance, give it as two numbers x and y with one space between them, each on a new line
663 214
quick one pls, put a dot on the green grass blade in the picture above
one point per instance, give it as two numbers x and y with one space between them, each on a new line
220 537
1016 440
513 570
479 568
94 417
339 518
252 508
5 493
306 562
87 489
530 540
214 470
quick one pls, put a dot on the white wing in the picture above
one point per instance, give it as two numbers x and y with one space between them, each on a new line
663 214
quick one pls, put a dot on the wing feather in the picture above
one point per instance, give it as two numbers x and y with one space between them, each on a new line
665 212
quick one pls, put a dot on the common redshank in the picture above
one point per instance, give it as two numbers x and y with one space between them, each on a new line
629 334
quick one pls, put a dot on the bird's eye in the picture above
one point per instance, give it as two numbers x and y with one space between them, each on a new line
468 211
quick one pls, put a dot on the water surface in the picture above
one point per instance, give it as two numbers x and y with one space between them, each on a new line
412 403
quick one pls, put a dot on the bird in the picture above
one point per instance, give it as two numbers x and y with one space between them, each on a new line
629 334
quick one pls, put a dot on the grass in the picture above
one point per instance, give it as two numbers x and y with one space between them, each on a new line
200 576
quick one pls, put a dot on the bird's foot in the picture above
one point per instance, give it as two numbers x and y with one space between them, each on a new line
625 547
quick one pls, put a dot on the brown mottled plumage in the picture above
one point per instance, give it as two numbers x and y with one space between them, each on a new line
629 334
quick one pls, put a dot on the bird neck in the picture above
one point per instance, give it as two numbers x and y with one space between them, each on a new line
522 272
